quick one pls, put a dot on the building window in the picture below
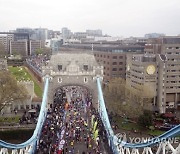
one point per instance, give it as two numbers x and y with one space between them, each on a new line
85 67
104 68
114 57
22 107
108 56
107 62
114 63
101 55
59 67
120 69
85 79
120 57
104 56
59 80
32 106
114 69
104 62
120 63
27 106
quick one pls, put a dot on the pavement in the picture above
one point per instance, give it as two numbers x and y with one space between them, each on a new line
81 146
17 126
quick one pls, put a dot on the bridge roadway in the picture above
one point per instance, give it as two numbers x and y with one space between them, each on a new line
74 134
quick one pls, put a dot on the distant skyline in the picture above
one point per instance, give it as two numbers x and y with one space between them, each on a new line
114 17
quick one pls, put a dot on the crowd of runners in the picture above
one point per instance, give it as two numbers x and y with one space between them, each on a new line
37 61
72 125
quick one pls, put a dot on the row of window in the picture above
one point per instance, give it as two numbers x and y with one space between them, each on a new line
137 77
114 57
137 82
173 76
174 87
173 48
116 63
85 67
137 71
169 65
173 70
174 59
173 53
172 81
116 69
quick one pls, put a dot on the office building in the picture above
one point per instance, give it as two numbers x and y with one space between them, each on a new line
4 40
154 35
97 32
114 63
40 34
161 72
19 47
66 33
141 74
34 46
80 35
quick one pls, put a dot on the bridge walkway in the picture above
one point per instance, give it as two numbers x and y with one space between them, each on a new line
70 131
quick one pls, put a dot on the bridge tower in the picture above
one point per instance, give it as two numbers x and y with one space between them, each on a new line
73 68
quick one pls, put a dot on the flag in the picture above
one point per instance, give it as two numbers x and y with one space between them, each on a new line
92 121
95 125
96 134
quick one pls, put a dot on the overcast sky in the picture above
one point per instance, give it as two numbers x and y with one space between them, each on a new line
115 17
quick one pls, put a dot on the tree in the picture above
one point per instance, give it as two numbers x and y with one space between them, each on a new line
145 120
47 51
10 90
122 99
116 101
39 51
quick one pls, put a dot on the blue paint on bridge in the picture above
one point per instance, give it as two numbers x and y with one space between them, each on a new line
113 141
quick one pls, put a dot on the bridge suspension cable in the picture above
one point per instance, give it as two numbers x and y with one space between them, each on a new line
119 146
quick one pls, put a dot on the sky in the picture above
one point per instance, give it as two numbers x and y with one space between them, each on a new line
115 17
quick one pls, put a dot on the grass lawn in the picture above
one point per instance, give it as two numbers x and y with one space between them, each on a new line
21 74
129 126
155 132
9 119
123 124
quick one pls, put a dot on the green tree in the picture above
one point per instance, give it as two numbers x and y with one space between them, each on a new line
39 51
10 90
145 120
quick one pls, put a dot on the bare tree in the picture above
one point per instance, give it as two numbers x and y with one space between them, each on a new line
10 90
47 51
122 99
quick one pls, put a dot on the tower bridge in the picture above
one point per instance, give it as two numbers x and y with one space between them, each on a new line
74 68
81 69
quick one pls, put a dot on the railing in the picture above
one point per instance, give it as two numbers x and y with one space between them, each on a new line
121 147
